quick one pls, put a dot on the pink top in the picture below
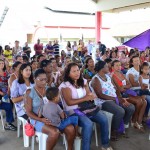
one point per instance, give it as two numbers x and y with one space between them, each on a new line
74 93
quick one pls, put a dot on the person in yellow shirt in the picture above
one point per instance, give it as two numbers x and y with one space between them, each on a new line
8 54
80 46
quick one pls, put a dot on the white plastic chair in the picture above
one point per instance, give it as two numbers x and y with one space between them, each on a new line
25 137
2 119
109 117
42 141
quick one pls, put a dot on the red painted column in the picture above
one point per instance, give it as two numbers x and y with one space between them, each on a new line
98 25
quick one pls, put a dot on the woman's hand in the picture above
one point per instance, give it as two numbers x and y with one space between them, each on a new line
145 86
46 121
124 102
90 97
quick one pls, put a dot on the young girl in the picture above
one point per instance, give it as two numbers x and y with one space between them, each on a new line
53 112
144 78
144 81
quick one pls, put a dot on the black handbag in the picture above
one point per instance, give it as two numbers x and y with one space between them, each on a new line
88 108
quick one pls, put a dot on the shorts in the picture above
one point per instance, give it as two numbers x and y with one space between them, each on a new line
37 125
72 120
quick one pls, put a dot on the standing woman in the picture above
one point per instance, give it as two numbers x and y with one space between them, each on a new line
80 47
74 46
19 86
69 49
34 104
4 93
75 90
89 71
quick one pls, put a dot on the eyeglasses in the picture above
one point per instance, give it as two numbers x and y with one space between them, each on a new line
42 79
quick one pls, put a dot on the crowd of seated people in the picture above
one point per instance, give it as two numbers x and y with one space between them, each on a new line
58 91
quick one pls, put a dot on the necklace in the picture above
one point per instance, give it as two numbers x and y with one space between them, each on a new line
39 92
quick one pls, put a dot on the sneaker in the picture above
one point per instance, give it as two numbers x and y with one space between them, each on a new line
10 127
108 148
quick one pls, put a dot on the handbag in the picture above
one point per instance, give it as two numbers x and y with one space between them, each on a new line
131 92
87 108
29 129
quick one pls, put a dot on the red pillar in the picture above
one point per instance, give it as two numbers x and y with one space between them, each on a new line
98 26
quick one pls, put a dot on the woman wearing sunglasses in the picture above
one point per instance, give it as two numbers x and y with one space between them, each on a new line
35 99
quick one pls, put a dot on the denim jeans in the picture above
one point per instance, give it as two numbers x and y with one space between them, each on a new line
8 109
72 120
117 111
87 129
148 105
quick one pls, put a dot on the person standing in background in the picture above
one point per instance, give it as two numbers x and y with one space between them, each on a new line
102 48
80 47
89 47
49 48
68 47
38 48
56 48
8 55
74 46
27 50
16 49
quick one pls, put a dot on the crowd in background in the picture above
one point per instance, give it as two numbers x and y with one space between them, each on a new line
53 86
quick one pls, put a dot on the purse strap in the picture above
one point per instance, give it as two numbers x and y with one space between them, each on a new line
39 106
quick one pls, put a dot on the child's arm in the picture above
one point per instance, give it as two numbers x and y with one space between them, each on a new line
141 84
62 115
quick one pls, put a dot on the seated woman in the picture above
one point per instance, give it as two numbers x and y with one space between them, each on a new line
35 99
75 90
76 58
106 91
19 86
14 76
47 67
4 94
124 62
133 75
89 71
124 85
56 71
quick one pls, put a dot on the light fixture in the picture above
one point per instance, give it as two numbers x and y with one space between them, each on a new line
3 15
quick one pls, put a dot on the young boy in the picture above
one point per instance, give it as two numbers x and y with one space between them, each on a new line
53 112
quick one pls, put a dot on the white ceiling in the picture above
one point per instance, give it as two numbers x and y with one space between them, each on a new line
107 5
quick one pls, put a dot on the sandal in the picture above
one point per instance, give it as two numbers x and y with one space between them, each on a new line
139 127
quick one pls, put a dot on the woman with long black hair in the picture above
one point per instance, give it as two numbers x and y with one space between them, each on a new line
18 89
